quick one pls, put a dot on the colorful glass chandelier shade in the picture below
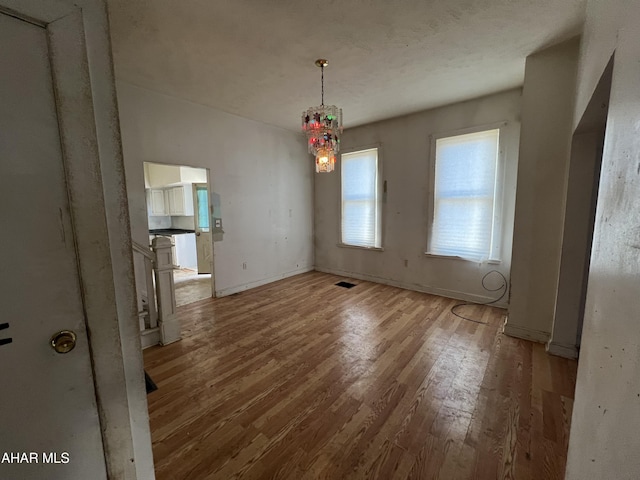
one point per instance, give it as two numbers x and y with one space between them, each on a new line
323 127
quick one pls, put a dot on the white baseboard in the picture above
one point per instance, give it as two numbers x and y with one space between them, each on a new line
246 286
525 333
562 350
442 292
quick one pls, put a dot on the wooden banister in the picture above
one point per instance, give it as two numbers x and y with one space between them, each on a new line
156 294
141 249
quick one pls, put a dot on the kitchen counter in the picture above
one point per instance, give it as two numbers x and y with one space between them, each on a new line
169 231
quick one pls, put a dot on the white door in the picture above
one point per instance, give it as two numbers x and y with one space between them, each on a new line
49 425
204 248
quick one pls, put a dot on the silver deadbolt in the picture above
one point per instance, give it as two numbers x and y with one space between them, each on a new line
64 341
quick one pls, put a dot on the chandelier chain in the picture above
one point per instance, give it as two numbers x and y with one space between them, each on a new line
322 82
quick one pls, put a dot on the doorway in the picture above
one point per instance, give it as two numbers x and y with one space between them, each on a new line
179 208
582 194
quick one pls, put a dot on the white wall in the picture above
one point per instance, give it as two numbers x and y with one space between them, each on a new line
186 251
547 119
193 175
599 40
604 441
262 175
405 150
157 175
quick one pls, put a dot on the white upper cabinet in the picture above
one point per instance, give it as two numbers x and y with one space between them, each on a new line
156 202
169 188
176 201
180 200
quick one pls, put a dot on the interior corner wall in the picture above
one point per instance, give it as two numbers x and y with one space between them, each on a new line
584 174
545 146
604 440
405 149
261 175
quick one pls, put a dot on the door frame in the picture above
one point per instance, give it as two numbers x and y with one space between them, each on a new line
211 230
84 89
579 210
211 209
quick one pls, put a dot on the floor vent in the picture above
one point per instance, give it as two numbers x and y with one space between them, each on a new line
345 284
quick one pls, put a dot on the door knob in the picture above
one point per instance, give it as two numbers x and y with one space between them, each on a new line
197 234
64 341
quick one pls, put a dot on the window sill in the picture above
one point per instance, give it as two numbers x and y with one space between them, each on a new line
491 261
357 247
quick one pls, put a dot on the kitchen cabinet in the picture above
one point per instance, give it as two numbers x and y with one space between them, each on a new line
156 202
180 200
170 201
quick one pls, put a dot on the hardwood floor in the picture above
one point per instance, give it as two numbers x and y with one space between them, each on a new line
301 379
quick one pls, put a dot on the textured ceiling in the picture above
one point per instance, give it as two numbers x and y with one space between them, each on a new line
255 58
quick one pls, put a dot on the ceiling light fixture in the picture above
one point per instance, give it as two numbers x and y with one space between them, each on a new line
323 127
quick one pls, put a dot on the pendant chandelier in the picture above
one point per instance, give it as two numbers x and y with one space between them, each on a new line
323 127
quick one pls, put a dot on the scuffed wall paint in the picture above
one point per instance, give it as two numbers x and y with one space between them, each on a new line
128 452
261 180
604 441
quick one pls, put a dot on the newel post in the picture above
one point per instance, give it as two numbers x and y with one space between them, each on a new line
165 290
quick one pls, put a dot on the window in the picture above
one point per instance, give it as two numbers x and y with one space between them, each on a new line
202 207
465 211
360 199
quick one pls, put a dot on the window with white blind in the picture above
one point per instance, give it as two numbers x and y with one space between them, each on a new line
361 199
466 213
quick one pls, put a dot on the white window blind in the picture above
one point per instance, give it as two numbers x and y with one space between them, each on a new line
360 205
464 195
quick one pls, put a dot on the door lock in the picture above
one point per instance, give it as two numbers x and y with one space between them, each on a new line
64 341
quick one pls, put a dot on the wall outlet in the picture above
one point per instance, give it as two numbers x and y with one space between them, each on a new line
406 262
244 265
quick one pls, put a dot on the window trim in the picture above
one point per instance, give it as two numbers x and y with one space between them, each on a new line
380 196
495 256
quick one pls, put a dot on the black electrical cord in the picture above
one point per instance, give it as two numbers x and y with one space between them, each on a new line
504 292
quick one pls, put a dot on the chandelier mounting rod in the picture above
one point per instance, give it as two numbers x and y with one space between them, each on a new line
321 62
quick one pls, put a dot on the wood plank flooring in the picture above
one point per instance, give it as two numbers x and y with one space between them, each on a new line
301 379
